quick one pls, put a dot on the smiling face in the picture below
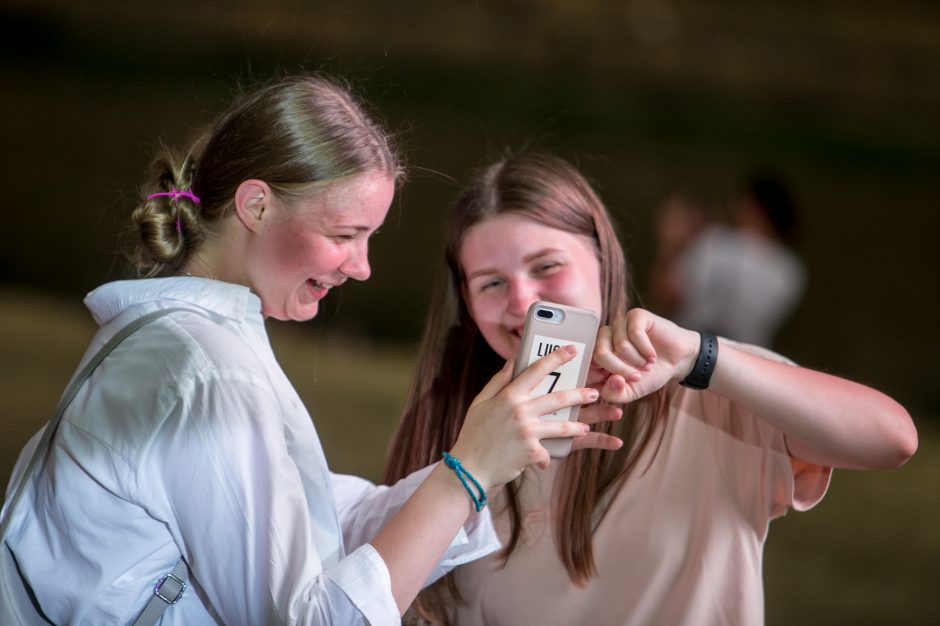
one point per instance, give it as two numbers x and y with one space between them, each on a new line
510 261
302 251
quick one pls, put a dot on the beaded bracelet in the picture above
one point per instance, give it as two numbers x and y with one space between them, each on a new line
479 496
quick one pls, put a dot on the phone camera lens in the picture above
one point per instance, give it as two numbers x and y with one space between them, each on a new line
545 315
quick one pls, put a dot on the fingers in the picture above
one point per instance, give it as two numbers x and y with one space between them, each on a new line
625 347
599 441
617 391
581 437
597 413
558 429
596 375
607 359
634 338
496 384
631 339
532 376
504 427
557 400
543 460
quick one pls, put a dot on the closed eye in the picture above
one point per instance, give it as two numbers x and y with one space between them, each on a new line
490 284
359 234
544 268
352 233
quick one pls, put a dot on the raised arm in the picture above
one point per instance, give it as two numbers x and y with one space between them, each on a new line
825 419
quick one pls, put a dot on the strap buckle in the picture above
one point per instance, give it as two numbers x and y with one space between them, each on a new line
174 588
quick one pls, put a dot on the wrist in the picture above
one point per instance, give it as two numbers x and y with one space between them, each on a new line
686 364
474 488
473 463
699 374
448 488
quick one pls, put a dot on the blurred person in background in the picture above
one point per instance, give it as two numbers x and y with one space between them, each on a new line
718 437
741 281
677 222
189 446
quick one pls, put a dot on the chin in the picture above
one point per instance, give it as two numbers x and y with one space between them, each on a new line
295 314
507 350
305 315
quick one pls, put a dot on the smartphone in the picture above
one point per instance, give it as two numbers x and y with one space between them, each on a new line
549 326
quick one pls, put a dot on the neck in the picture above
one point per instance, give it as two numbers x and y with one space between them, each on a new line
220 257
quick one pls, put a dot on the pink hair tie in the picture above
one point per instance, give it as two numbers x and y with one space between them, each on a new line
173 193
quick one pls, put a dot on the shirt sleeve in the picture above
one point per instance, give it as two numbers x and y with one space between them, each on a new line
752 455
805 483
365 508
233 499
810 483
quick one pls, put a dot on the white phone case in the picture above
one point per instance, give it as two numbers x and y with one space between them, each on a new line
549 326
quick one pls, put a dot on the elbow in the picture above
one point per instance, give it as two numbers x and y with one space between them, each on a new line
908 445
903 439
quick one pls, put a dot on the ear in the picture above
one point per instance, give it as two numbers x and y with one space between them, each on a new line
251 199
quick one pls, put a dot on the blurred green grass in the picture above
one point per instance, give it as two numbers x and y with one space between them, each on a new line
865 555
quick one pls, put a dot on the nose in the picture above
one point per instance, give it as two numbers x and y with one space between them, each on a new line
356 265
520 295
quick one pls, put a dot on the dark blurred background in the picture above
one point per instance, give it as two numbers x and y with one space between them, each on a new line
841 98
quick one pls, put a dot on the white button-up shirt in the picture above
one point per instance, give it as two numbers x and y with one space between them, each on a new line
189 439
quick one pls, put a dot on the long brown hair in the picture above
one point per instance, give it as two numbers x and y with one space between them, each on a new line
294 133
454 361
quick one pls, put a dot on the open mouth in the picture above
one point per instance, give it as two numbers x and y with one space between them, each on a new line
318 288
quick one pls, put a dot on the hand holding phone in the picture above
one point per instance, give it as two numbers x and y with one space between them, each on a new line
549 326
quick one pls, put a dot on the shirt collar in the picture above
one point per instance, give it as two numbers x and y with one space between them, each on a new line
225 299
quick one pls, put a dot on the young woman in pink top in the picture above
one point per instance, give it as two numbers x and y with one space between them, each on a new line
665 521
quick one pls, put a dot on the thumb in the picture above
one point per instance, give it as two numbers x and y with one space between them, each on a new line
496 384
616 390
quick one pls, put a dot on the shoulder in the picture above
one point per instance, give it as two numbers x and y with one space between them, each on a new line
161 369
187 343
185 381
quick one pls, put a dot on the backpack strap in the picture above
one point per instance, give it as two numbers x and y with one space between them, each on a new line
169 583
168 590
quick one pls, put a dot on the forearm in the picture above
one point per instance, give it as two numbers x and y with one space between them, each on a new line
826 419
414 540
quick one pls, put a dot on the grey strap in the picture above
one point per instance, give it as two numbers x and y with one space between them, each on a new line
168 590
44 443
